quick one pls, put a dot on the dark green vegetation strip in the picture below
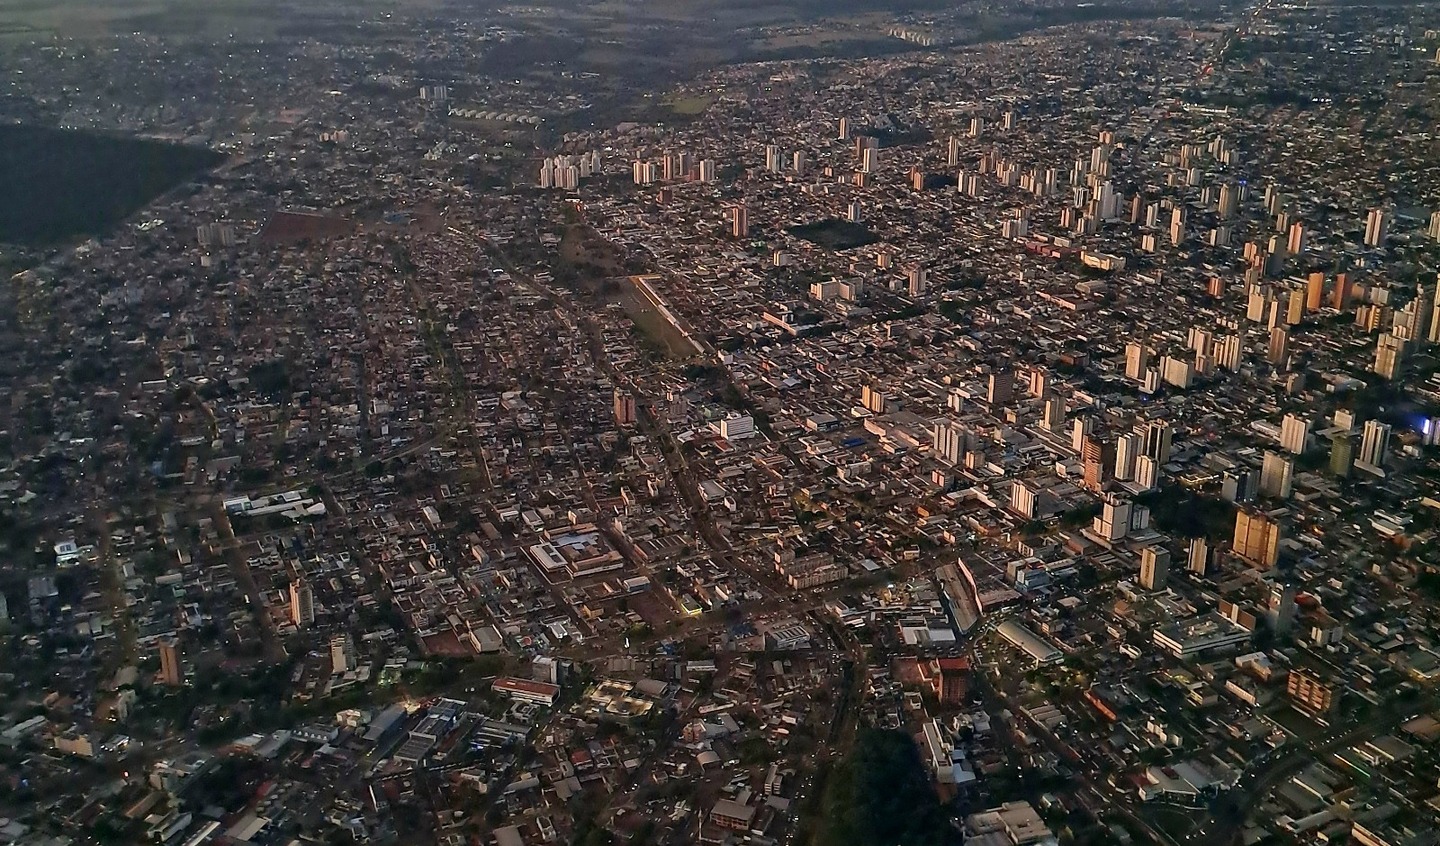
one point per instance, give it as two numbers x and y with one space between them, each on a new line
880 796
835 234
58 184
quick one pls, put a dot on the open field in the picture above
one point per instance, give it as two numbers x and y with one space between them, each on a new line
754 12
813 37
621 46
595 265
688 105
288 227
57 184
651 322
22 19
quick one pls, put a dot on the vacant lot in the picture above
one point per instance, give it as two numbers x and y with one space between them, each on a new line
287 227
56 185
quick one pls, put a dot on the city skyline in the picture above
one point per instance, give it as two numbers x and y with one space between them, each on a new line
656 424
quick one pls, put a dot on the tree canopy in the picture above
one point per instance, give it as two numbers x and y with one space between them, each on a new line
880 795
